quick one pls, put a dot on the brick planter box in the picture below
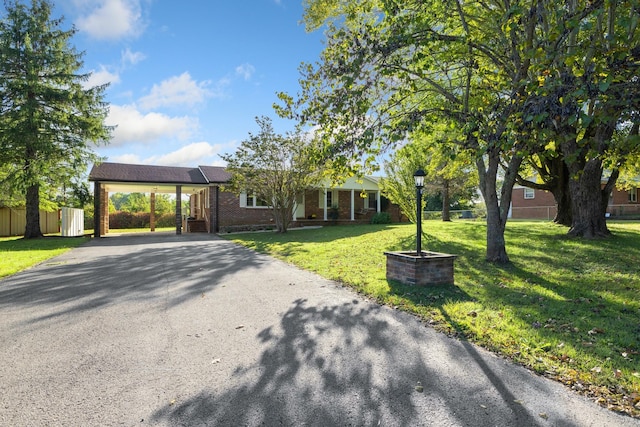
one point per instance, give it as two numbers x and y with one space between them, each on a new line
432 268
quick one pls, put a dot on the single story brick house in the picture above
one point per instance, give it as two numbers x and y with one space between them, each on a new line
213 210
528 203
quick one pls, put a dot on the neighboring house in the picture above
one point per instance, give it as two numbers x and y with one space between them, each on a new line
528 203
212 209
14 220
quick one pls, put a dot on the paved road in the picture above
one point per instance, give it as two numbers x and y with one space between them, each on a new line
193 330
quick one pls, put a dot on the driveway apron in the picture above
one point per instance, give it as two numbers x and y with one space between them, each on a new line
193 330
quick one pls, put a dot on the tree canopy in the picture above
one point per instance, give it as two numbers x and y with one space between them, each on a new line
48 118
513 77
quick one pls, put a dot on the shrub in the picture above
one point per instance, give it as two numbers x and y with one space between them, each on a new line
381 218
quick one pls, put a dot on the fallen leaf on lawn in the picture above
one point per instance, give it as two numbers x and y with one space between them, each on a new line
596 369
624 354
544 415
617 373
636 374
595 331
472 314
239 326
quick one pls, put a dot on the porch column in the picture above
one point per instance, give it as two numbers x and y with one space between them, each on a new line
325 204
178 209
353 204
97 211
152 216
379 204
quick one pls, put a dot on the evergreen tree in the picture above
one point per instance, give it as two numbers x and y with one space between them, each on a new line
47 117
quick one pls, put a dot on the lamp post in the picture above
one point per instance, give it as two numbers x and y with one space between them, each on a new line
419 180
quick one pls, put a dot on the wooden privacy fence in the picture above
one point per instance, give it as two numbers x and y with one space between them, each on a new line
13 221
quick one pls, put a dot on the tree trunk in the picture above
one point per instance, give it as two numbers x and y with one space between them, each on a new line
561 193
586 196
562 197
446 208
32 228
497 209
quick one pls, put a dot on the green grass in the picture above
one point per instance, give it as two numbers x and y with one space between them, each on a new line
17 254
565 308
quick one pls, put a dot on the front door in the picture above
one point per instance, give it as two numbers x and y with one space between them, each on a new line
300 207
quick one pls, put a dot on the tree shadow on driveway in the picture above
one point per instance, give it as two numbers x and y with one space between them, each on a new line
162 268
356 364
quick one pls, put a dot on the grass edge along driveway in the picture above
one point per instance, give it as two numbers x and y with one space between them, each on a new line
17 254
566 308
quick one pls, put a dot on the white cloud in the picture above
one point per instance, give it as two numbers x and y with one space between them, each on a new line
103 76
131 58
135 127
190 155
177 90
111 19
245 71
131 159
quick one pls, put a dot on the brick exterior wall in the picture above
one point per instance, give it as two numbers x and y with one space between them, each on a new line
232 214
543 205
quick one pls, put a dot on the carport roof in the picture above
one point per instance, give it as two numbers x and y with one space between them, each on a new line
122 172
122 177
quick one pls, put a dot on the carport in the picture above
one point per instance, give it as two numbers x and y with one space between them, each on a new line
127 178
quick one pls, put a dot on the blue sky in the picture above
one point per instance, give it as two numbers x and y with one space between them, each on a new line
188 78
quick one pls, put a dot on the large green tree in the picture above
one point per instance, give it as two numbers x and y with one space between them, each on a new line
48 118
393 67
508 74
274 168
583 98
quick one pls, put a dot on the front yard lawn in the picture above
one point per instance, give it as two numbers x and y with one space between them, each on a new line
17 254
566 308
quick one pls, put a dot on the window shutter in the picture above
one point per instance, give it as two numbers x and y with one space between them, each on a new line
243 200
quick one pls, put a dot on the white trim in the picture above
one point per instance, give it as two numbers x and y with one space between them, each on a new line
353 205
325 204
529 193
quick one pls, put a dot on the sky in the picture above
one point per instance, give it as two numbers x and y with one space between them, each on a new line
187 79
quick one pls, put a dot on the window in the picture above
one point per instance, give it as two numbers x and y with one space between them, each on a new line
529 193
331 199
372 200
247 201
633 195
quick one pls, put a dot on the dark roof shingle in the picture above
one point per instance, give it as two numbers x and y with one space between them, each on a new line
121 172
216 174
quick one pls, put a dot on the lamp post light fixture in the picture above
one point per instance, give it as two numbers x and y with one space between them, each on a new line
418 177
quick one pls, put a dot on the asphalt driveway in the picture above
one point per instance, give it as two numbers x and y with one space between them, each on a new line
193 330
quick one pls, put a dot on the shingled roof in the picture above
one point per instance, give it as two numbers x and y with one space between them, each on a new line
122 172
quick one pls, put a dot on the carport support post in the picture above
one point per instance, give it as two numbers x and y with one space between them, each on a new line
178 209
97 212
152 215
